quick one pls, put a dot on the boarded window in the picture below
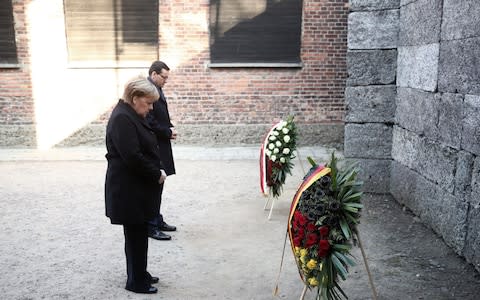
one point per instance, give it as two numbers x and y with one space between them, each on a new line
8 48
253 31
112 32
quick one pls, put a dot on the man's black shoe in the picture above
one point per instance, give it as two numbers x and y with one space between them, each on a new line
154 279
166 227
146 290
158 235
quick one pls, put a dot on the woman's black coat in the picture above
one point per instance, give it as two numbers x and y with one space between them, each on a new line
131 183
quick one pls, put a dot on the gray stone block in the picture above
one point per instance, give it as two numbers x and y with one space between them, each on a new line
459 66
402 185
406 2
418 66
445 213
375 174
450 112
373 29
420 23
370 103
436 116
463 174
368 67
474 198
472 245
428 158
405 146
417 111
369 140
373 4
460 19
437 163
471 124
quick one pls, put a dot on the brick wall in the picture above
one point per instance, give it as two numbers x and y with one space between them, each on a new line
234 101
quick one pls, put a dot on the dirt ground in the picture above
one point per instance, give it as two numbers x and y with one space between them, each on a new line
56 243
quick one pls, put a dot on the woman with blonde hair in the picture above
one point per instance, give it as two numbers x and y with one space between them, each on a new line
133 178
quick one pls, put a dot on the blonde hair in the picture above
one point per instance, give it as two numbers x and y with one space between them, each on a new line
139 86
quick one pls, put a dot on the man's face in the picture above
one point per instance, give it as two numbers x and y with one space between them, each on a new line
160 78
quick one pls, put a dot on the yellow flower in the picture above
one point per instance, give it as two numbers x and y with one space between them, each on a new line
303 259
313 281
303 252
311 264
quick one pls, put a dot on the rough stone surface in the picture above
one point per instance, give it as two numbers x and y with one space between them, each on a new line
436 116
417 111
309 134
472 247
463 174
445 213
369 140
373 30
460 19
459 65
14 136
367 67
475 185
375 174
373 4
406 2
420 23
430 159
370 104
418 66
471 124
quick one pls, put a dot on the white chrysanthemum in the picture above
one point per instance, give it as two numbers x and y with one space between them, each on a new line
275 132
278 143
282 160
276 150
273 157
268 152
285 130
272 138
271 146
286 150
286 139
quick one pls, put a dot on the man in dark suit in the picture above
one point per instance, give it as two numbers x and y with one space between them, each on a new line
159 120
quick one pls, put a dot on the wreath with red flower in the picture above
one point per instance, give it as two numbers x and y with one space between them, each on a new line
323 226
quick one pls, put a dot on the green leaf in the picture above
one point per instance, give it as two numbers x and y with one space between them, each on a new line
345 228
343 247
353 197
351 209
339 267
346 260
340 290
357 205
351 218
311 161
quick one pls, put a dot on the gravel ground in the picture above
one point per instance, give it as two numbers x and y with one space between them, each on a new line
56 243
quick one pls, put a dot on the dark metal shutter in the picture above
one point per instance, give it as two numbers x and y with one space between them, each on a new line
244 31
112 30
8 48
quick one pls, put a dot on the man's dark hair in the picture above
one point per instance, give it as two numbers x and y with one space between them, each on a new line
157 66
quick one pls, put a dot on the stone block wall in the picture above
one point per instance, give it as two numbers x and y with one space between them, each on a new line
371 90
435 132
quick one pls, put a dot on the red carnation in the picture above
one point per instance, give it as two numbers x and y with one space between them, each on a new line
311 227
312 239
323 231
300 219
301 233
297 241
323 248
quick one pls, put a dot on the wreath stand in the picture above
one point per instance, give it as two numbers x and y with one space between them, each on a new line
269 197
